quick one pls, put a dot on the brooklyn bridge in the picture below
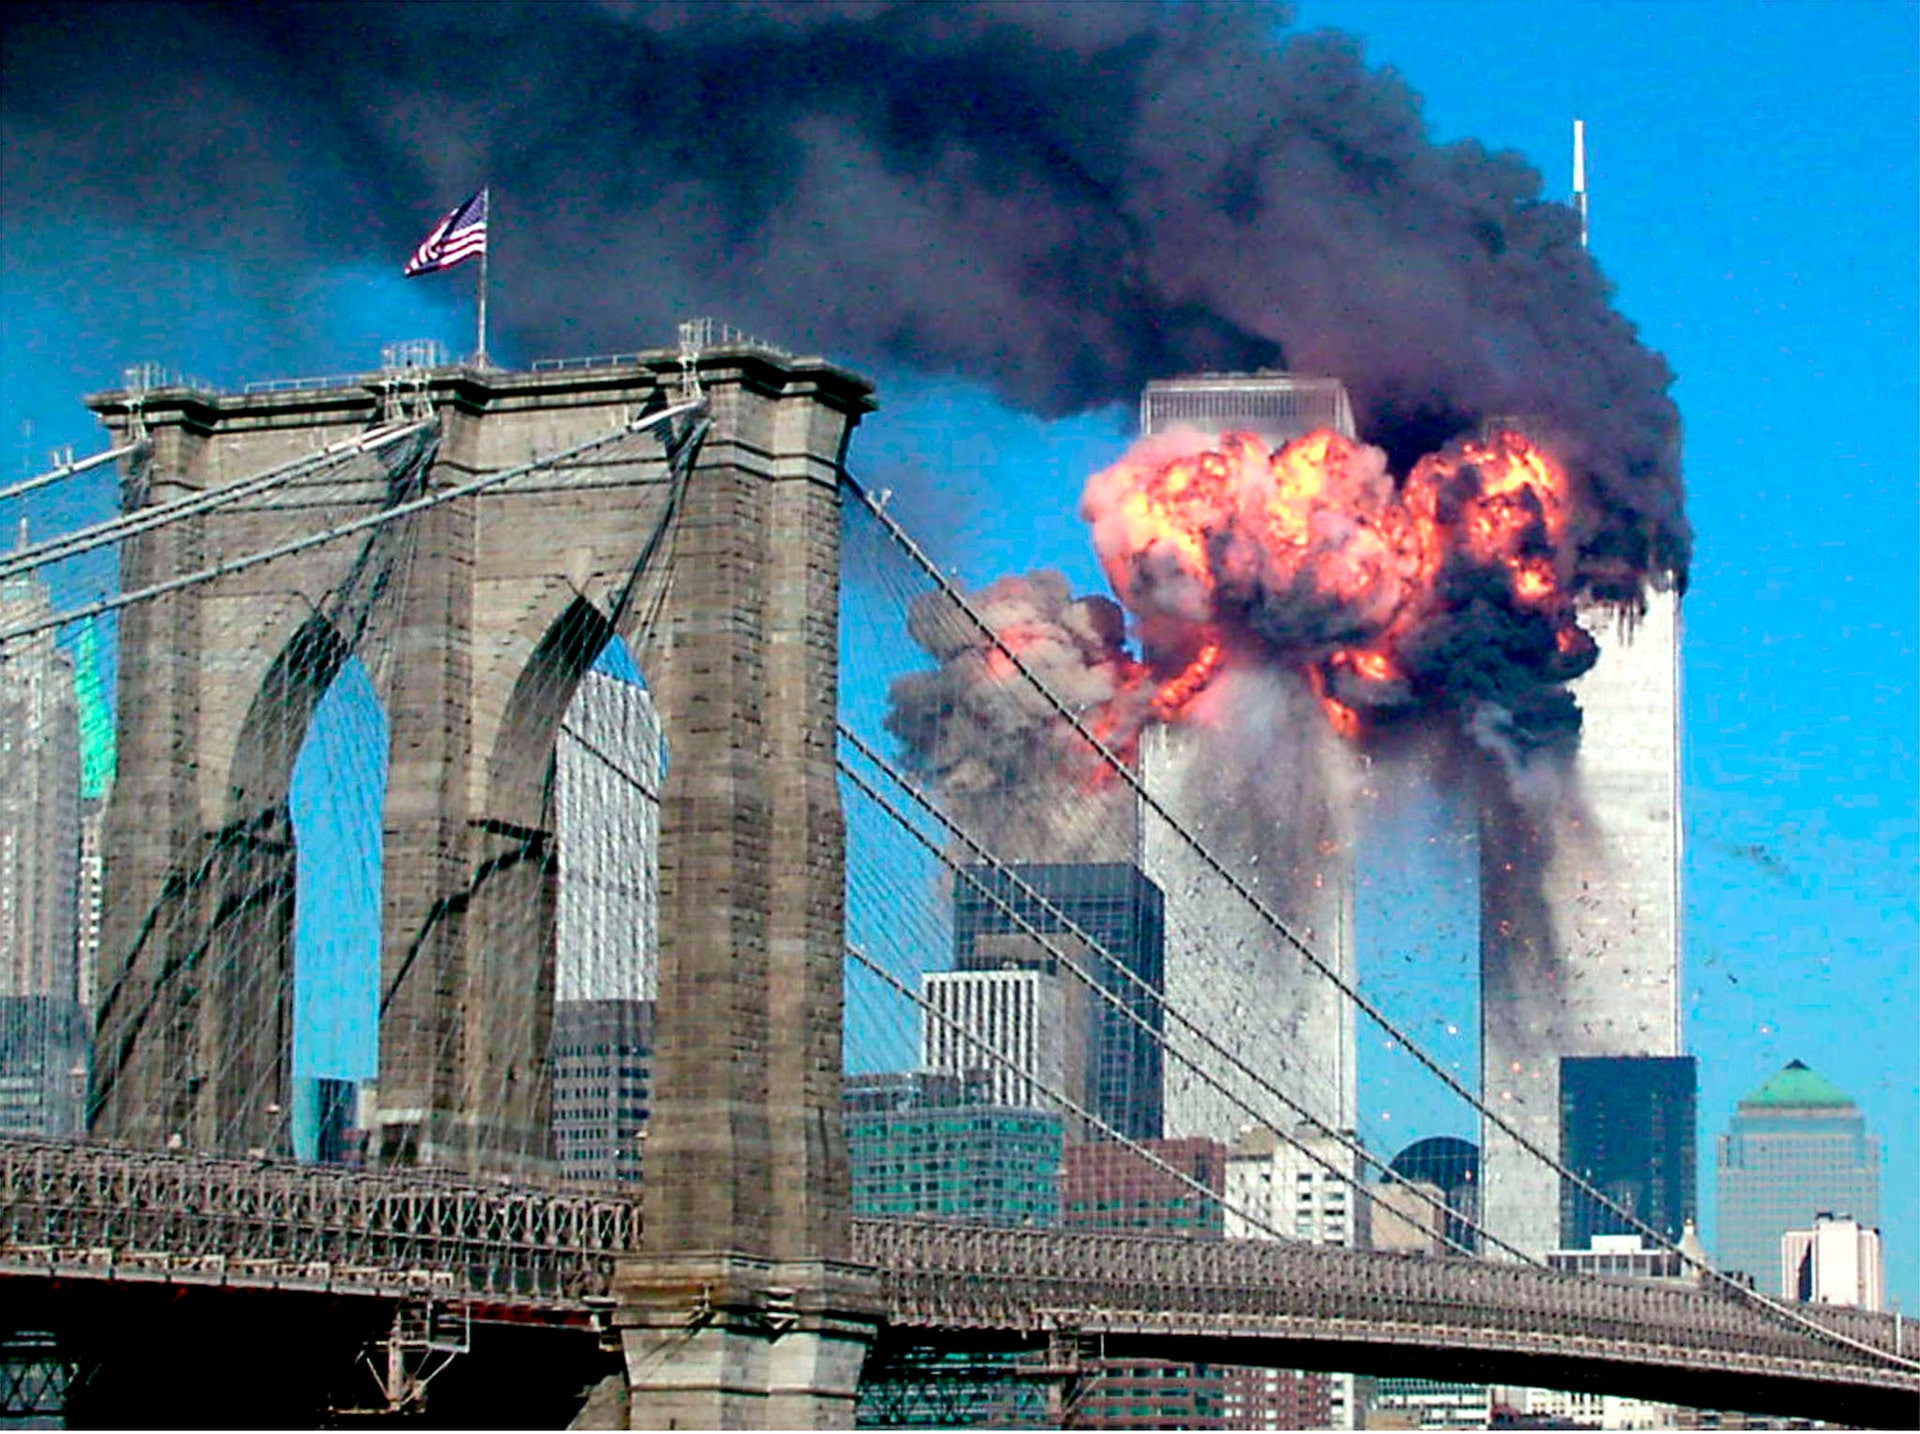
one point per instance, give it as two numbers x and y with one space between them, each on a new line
475 542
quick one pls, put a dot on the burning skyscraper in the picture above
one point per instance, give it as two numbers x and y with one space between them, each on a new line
1296 602
1270 788
1580 910
1481 611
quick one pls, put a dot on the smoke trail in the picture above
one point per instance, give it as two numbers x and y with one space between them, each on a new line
1255 769
1059 201
1009 769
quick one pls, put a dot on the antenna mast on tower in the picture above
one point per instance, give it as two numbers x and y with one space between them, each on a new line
1580 176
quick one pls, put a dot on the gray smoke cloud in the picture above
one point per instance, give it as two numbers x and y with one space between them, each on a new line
1007 766
1058 201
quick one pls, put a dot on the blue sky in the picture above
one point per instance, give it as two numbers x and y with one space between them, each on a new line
1754 200
1753 181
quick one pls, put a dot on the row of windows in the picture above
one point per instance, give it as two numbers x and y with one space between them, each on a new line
1174 1203
930 1187
1042 1151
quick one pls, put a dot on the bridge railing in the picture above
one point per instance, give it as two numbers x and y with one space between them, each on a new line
541 1243
988 1277
111 1209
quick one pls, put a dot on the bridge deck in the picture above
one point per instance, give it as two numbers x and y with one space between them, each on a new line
547 1253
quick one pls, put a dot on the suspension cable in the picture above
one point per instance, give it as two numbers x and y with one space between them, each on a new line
1075 931
1066 714
66 470
161 514
342 530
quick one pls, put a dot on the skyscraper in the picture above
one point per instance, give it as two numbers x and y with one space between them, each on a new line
1115 904
43 1029
1286 833
1031 1015
39 805
600 1053
1276 406
1580 909
1797 1148
43 1072
1452 1166
602 1065
606 771
1627 1128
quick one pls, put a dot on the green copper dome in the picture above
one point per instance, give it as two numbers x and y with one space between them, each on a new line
1796 1085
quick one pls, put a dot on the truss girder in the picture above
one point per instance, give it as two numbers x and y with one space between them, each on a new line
990 1278
90 1206
79 1209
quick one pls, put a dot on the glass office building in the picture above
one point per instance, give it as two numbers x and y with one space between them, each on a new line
1627 1127
1797 1147
1121 910
1453 1166
919 1144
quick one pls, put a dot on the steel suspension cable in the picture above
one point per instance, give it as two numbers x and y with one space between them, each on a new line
342 530
1159 1038
1139 788
159 515
66 470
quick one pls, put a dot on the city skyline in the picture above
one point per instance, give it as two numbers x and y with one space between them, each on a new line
1799 690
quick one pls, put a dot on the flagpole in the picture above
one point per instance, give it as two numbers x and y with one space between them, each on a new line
482 355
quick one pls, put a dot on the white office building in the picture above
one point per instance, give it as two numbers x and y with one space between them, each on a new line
1837 1262
607 810
1028 1016
1303 1187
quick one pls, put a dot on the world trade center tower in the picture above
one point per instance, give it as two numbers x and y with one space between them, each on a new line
1579 878
1287 834
1580 910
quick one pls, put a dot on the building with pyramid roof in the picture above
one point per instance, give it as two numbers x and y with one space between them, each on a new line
1797 1148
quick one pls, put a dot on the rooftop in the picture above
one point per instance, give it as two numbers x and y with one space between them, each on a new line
1797 1085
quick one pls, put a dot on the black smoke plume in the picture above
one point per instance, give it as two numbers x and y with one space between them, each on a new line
1058 201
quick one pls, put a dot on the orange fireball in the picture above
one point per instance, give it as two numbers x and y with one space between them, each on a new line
1317 557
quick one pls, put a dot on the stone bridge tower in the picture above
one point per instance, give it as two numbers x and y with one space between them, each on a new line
487 611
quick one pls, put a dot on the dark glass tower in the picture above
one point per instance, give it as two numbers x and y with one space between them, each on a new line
1115 905
1627 1128
1453 1166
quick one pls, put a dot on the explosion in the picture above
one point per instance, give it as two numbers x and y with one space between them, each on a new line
1444 598
1451 592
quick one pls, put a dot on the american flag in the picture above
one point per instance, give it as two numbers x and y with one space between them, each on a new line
461 235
